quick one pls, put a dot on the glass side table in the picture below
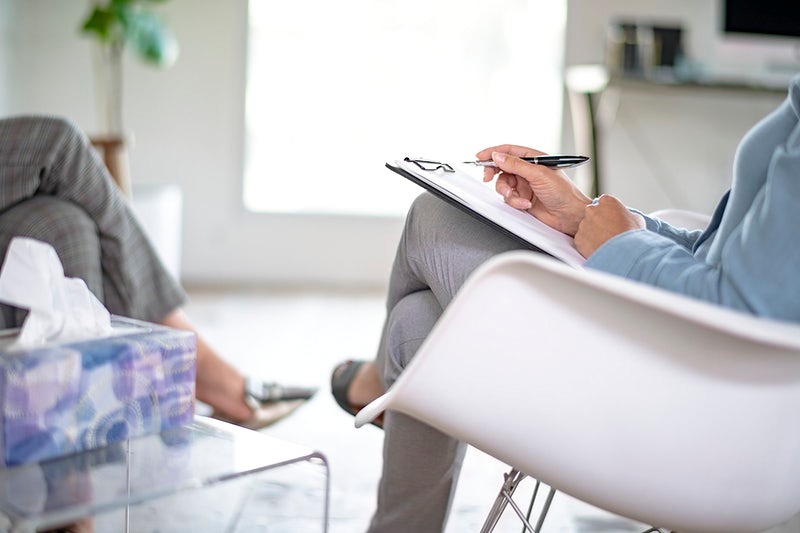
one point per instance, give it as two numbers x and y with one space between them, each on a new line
210 476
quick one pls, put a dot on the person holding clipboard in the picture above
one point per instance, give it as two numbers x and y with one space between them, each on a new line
746 259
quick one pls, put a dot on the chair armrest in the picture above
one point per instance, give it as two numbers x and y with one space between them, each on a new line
681 218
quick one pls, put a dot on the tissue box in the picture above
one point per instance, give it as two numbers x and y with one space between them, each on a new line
65 398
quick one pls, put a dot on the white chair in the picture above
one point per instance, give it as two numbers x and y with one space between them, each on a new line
648 404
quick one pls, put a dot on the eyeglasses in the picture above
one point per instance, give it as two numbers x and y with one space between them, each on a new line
430 166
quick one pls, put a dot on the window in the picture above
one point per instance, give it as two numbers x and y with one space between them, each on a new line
336 89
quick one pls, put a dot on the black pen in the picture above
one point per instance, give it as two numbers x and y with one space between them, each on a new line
552 161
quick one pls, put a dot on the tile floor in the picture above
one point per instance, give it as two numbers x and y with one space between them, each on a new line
298 336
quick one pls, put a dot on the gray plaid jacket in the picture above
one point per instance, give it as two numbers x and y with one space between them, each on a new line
55 188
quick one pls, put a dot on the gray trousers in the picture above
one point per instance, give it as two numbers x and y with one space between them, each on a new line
55 188
439 249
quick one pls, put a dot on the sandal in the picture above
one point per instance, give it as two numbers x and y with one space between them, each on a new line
267 392
270 402
341 379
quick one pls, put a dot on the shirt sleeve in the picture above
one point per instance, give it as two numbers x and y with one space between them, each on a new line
684 237
758 262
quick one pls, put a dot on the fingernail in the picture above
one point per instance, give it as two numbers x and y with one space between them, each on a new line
498 157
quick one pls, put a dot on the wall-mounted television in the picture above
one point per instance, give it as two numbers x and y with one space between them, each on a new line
773 18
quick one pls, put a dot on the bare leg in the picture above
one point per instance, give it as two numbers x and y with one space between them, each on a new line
365 386
219 384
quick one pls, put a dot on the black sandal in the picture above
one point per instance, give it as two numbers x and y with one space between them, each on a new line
341 379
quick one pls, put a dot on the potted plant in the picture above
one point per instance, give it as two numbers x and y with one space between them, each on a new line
120 24
116 25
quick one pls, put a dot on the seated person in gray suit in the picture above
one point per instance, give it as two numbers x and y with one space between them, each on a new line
746 259
54 188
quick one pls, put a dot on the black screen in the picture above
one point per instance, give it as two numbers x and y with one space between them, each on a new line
763 17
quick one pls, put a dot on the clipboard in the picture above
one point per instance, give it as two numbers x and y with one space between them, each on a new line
468 193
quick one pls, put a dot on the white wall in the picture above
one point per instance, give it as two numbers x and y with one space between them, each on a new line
188 122
587 21
4 48
188 125
48 66
666 147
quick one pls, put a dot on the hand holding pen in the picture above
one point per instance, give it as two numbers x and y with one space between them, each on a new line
542 191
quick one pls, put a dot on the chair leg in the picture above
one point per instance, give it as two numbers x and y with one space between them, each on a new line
512 479
505 497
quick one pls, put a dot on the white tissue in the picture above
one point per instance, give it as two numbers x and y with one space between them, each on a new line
60 308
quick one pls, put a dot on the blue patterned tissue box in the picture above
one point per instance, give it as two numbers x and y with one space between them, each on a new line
66 398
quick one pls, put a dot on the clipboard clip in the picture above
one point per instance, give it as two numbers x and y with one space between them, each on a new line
430 166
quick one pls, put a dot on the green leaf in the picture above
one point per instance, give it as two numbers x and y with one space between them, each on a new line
130 3
103 24
150 38
128 22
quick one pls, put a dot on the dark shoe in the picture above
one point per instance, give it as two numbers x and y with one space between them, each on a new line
341 379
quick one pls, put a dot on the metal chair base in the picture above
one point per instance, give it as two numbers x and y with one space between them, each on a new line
505 498
512 479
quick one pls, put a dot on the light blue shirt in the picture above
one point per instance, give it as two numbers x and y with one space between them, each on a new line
749 256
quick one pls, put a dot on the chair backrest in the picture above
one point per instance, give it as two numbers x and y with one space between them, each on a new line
651 405
682 218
